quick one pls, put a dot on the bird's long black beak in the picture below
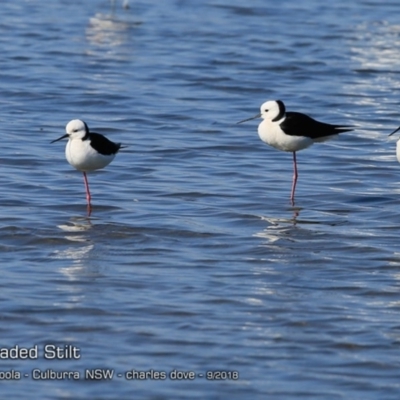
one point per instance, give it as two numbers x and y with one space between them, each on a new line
394 131
256 116
62 137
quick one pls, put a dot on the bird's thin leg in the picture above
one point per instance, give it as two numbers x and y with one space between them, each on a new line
88 196
295 175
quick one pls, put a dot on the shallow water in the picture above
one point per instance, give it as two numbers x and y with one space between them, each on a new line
193 258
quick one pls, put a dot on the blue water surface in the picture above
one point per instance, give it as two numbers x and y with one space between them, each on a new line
193 270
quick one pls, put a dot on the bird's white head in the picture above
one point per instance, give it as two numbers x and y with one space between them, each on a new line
273 110
76 129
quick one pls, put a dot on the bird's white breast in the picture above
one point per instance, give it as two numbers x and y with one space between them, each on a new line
81 155
271 133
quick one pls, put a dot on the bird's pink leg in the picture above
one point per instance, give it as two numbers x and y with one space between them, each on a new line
88 196
295 175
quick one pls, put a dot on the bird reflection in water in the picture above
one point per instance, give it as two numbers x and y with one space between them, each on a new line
278 228
125 5
80 248
109 29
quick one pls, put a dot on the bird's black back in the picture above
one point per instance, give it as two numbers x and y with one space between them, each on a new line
298 124
102 145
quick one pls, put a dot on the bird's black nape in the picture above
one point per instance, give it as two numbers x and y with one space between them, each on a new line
86 131
282 111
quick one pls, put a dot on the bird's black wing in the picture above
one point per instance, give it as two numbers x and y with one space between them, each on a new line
298 124
102 145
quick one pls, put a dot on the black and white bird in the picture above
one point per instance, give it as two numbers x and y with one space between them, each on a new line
292 131
87 151
397 145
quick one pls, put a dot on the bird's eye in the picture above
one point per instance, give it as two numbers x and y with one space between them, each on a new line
266 110
75 130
